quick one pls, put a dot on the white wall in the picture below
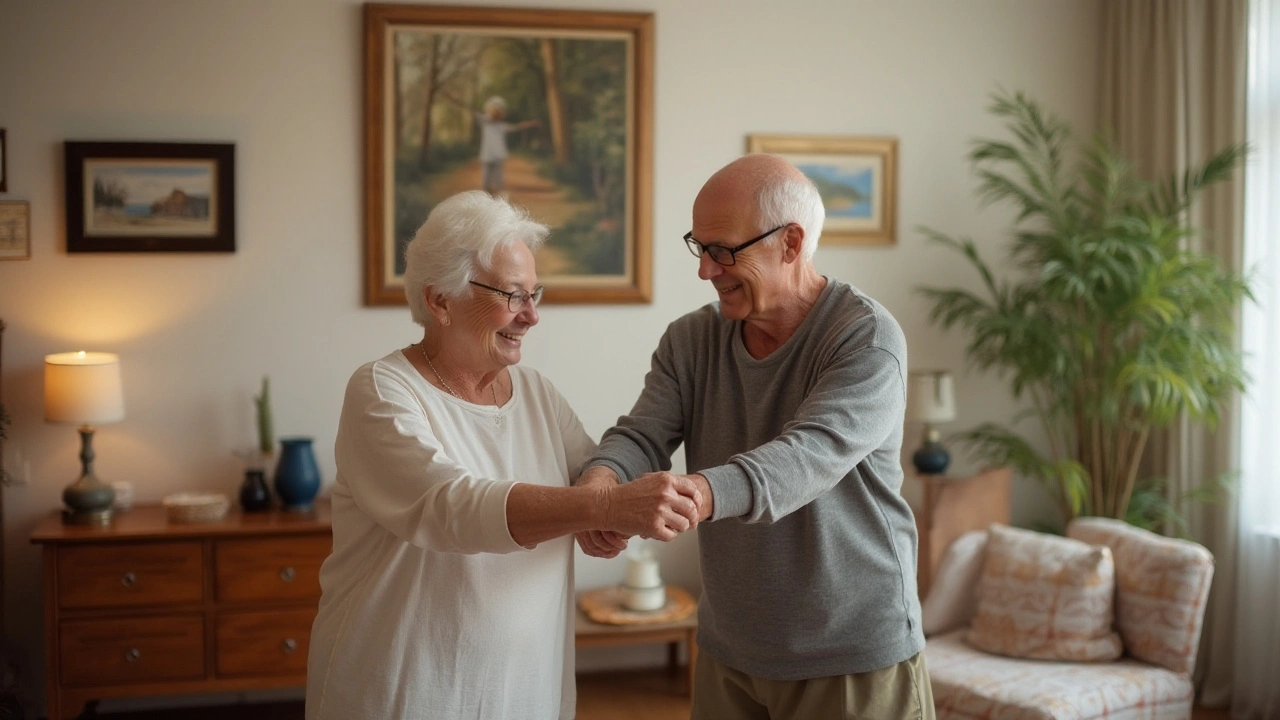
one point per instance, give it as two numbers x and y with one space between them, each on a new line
282 80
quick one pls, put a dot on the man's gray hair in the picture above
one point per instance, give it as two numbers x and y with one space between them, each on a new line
793 200
457 241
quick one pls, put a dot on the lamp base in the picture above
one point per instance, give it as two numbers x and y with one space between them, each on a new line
88 517
931 459
88 500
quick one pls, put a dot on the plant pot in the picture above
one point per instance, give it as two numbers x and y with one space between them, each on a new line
254 495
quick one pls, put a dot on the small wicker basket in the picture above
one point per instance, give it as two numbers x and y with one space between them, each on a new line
196 507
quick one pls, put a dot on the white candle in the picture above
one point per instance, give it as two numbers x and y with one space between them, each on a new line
642 589
643 573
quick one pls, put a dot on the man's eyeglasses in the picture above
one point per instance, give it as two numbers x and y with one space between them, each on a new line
515 300
720 253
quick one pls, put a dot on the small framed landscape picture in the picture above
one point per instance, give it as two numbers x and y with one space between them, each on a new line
856 176
150 197
15 230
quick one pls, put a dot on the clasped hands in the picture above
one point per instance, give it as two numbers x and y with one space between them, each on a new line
659 505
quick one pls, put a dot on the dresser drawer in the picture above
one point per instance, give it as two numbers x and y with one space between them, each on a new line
268 642
286 568
124 574
94 653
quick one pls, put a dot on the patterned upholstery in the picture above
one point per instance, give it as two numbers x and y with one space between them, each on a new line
1161 589
1045 597
1162 585
969 684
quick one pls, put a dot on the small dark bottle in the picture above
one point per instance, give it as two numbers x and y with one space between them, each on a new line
254 495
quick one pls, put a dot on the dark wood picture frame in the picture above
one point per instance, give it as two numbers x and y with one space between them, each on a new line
150 197
600 249
4 163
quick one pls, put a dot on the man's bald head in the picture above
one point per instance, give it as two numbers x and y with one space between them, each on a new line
769 189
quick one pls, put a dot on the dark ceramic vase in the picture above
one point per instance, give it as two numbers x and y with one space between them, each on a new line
931 459
254 495
297 477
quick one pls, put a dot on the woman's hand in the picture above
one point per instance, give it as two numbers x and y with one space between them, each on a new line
600 543
658 505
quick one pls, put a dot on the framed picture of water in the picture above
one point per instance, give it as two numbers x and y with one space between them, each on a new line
150 197
856 176
550 109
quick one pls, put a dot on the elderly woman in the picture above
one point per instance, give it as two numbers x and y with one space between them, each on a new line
449 592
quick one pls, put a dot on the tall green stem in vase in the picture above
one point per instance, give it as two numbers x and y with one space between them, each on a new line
266 433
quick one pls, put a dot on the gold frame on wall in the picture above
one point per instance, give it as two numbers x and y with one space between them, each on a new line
15 230
857 177
582 164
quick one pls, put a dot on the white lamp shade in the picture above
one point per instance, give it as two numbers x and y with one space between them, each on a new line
83 388
930 397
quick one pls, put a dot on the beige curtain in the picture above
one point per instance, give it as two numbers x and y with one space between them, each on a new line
1173 93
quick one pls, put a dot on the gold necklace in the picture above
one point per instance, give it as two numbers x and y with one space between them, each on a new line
432 365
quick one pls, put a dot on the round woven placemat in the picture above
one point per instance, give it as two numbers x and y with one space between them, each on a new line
605 606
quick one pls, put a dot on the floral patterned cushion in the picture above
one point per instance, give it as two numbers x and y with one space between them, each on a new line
1045 597
969 684
1162 585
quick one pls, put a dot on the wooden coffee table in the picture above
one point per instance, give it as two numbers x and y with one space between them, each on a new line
593 634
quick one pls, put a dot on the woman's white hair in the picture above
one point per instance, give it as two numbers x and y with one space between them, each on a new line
457 241
793 199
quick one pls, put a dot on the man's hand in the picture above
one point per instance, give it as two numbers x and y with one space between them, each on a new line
600 543
657 505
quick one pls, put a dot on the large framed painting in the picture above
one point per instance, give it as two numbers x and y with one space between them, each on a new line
856 176
150 197
551 109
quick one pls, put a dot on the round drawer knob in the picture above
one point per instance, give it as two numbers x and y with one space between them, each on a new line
287 574
128 580
132 654
289 645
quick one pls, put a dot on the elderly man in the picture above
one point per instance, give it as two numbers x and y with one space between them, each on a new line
789 397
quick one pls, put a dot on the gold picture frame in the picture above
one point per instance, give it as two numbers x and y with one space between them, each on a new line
569 95
856 176
15 230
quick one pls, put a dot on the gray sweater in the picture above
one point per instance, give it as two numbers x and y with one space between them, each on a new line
809 563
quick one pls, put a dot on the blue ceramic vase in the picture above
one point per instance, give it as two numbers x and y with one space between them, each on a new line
297 477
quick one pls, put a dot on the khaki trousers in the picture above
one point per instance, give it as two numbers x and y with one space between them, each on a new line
893 693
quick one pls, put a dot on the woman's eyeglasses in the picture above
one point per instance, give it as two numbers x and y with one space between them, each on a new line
515 300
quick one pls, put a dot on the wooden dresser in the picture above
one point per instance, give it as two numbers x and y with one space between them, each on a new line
952 506
147 607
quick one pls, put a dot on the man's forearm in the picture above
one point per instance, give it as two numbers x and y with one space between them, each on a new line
708 504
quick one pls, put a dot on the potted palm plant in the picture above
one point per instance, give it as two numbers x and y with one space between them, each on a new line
1110 327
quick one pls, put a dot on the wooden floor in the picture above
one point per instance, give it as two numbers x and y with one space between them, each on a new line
633 695
639 695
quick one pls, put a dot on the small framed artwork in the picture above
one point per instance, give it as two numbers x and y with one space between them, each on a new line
4 164
150 197
15 230
856 176
550 109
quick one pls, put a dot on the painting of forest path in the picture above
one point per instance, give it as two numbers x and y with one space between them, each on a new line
543 198
537 119
549 109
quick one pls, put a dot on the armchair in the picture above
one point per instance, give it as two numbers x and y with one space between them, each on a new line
1162 585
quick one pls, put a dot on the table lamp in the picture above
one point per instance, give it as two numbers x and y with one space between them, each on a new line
84 388
931 400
